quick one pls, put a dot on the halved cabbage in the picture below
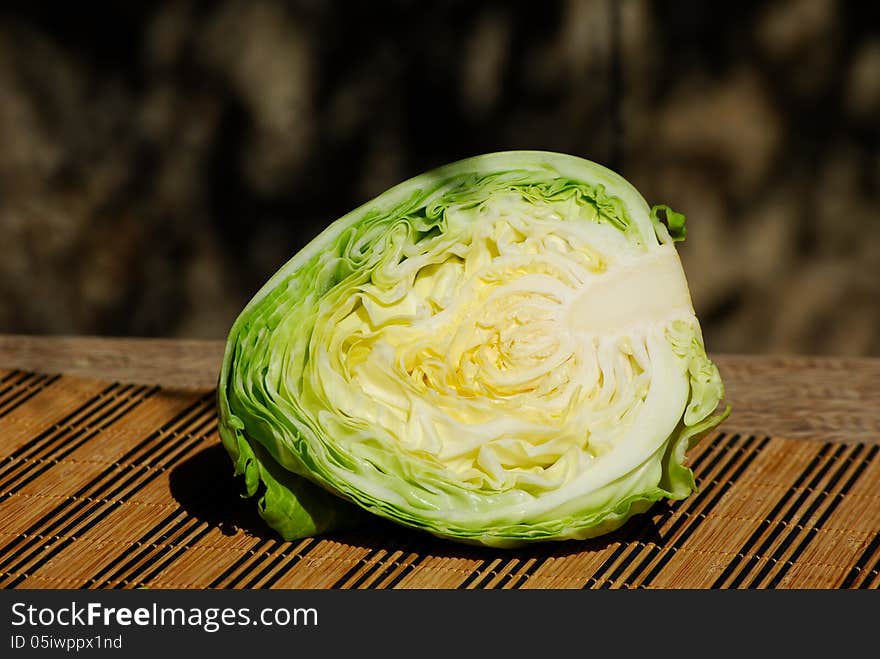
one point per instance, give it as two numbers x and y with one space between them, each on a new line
498 351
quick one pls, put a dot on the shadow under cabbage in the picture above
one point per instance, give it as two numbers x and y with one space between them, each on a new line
203 486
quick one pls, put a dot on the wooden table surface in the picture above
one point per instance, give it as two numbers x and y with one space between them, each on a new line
799 397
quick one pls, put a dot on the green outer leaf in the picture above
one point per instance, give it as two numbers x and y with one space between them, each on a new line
674 228
290 504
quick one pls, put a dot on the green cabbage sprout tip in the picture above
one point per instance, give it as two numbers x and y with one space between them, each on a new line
499 351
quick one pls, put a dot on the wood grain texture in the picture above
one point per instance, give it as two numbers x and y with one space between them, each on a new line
170 363
798 397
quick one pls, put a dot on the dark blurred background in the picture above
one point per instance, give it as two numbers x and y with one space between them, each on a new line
160 160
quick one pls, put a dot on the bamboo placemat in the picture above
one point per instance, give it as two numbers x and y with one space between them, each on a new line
114 485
